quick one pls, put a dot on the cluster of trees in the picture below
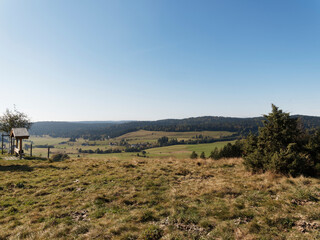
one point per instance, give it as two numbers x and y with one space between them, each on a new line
100 151
137 148
229 151
283 146
114 150
165 141
44 146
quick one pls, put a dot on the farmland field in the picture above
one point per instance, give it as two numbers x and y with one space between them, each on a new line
184 151
62 145
153 136
176 151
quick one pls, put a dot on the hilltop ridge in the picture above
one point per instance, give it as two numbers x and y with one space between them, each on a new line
97 129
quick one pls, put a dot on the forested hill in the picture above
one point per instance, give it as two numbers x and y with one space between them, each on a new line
96 130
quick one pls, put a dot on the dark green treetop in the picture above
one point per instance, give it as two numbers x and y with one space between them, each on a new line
279 147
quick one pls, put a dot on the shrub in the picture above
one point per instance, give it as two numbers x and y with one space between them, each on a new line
152 233
59 157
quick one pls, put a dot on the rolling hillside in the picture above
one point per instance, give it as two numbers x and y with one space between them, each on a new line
96 130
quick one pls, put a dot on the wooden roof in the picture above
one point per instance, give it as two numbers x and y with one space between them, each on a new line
19 133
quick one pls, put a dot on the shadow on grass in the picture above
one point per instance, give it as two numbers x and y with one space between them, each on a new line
15 168
35 158
53 167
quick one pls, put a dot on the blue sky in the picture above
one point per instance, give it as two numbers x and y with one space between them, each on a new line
156 59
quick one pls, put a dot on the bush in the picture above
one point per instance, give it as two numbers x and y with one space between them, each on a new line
59 157
152 233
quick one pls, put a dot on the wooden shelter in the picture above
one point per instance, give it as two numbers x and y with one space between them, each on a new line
18 134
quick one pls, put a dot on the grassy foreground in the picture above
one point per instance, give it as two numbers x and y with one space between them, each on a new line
153 198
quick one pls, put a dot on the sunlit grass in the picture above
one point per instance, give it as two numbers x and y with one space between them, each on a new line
133 198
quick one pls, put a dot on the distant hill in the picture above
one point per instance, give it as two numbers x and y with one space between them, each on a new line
95 122
96 130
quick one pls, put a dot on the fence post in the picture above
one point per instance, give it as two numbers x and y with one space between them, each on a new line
11 146
2 144
48 152
31 150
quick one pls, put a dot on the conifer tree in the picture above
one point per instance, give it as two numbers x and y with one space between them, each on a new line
193 155
279 147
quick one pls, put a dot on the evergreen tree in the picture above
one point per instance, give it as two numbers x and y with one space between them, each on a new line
279 147
193 155
214 154
202 155
163 141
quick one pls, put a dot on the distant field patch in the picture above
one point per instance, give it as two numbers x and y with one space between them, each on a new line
184 151
153 136
37 140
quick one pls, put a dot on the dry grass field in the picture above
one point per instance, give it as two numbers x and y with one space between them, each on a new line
153 198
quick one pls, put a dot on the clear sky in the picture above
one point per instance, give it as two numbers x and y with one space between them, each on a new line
156 59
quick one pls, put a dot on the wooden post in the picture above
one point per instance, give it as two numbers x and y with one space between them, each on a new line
31 150
20 150
11 147
48 152
2 143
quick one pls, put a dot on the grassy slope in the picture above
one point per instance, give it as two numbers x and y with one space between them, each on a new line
108 198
